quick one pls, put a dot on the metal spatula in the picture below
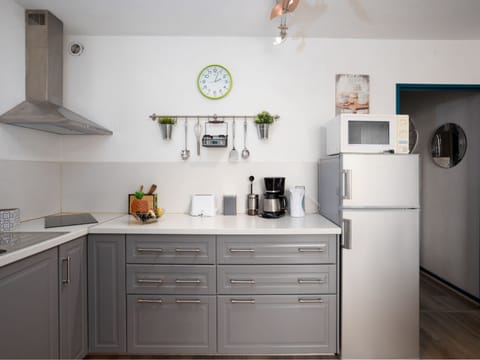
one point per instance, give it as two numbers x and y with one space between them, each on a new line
233 153
197 130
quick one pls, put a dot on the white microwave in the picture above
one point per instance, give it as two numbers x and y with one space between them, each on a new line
366 133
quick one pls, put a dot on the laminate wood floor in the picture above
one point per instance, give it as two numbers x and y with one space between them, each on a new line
449 323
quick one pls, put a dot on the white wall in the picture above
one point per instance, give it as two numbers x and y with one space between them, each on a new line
119 81
33 186
450 235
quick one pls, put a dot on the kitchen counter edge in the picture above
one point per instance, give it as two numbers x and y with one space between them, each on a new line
180 224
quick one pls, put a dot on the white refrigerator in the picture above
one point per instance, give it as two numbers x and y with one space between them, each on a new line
375 198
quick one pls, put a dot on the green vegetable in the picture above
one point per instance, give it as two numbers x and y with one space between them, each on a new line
264 118
139 195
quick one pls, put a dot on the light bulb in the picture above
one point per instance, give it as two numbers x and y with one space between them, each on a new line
279 40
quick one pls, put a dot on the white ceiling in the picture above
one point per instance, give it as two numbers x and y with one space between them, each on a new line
398 19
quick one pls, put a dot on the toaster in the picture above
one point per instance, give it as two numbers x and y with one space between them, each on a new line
203 205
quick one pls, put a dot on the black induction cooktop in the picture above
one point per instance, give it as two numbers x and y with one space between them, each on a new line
69 219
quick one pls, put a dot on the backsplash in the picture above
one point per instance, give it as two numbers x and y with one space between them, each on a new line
94 186
32 186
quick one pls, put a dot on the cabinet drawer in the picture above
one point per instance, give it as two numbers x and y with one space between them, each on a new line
171 249
171 324
272 324
276 279
170 279
282 249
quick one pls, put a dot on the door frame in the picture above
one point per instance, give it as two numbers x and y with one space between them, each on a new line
430 87
399 87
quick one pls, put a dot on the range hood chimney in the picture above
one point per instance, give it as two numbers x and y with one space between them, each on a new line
42 109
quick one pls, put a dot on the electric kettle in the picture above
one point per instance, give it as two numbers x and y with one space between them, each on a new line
297 201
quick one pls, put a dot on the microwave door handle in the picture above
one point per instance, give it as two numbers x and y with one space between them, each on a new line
347 184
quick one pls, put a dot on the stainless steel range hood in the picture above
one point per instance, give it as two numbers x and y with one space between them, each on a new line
42 109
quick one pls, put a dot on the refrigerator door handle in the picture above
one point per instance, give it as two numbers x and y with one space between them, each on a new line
347 234
347 184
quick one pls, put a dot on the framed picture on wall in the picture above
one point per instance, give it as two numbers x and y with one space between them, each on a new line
352 94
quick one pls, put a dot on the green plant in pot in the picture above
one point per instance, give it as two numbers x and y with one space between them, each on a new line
263 121
166 124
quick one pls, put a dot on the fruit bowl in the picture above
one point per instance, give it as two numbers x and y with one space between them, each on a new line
147 217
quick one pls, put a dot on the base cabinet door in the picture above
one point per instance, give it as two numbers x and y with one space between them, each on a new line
106 293
29 307
73 299
277 324
171 324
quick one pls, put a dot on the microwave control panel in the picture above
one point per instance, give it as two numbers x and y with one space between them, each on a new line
402 135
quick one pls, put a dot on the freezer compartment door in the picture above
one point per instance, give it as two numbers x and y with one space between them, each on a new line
380 285
379 180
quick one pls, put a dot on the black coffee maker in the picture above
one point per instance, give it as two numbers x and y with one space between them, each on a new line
274 200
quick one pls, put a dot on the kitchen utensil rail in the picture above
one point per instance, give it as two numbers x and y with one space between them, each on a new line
210 118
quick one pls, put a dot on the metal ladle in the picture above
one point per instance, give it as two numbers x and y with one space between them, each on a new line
185 152
245 152
233 153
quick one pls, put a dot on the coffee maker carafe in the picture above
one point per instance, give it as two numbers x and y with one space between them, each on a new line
274 200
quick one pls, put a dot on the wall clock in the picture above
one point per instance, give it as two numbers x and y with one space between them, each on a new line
214 81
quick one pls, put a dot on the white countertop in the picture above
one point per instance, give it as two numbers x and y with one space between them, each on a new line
217 225
72 232
114 223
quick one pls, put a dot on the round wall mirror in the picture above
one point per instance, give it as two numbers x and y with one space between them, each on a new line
449 145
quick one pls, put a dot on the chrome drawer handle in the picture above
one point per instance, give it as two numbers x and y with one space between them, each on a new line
188 281
310 301
316 249
68 259
311 281
149 301
241 301
180 250
241 250
158 250
150 281
235 281
187 301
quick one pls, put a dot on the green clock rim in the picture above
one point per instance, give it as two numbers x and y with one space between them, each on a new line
211 97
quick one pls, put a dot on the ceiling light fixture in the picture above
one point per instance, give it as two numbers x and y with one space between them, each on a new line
282 8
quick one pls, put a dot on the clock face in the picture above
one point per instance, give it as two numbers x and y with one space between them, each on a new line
214 82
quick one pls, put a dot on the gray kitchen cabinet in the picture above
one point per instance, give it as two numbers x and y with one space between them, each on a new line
106 295
171 308
278 249
171 279
73 317
171 249
29 307
171 324
276 324
276 279
281 294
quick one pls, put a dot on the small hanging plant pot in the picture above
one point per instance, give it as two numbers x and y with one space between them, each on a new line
166 124
262 131
263 121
